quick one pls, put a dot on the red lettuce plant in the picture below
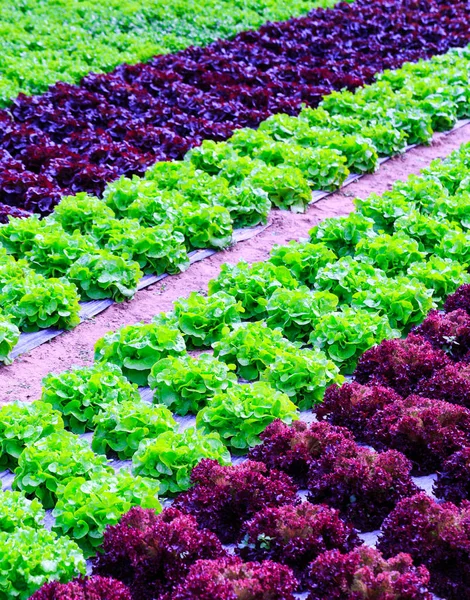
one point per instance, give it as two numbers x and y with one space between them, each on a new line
449 332
152 553
452 384
223 497
400 364
436 536
364 574
352 405
459 300
295 535
84 588
453 478
427 431
364 487
231 579
293 448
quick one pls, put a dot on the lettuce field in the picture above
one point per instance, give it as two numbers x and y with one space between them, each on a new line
289 418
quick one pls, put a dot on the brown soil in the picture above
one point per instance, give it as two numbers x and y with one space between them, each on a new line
22 379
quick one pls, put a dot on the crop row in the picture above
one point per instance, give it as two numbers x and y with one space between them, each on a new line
350 287
92 249
62 40
78 138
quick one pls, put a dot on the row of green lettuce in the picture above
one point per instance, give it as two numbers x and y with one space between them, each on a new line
42 42
93 249
280 332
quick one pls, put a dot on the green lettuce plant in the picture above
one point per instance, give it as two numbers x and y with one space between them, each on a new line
442 275
210 155
286 186
427 231
102 274
296 312
405 301
248 206
85 507
35 303
23 423
53 253
79 394
391 253
250 348
121 426
171 457
303 259
341 234
252 284
303 375
345 335
421 192
205 226
17 511
136 348
384 210
185 383
156 249
31 557
453 208
54 460
456 246
204 319
81 212
242 412
9 336
346 276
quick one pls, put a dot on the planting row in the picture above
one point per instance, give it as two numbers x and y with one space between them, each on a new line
78 138
42 43
91 249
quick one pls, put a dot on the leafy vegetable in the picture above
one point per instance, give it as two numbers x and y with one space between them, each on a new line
303 375
9 336
402 300
297 312
104 275
204 319
251 347
81 393
341 234
17 511
391 253
346 334
442 275
121 425
136 348
252 284
30 557
39 303
24 423
302 259
86 506
171 456
185 383
242 412
347 276
54 460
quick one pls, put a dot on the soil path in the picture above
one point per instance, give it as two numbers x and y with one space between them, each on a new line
22 379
